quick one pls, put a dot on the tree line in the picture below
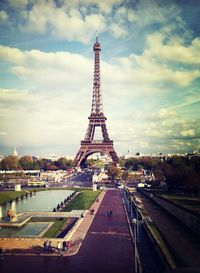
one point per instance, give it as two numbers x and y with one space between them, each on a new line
175 171
32 163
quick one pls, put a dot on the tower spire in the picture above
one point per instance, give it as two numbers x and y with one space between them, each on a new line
97 36
97 104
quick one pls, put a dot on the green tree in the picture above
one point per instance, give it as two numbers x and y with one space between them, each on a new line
64 163
26 162
125 175
114 172
10 163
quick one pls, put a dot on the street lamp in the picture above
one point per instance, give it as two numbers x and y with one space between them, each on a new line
134 221
137 222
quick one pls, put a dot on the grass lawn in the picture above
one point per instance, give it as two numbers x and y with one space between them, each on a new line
6 196
56 228
83 200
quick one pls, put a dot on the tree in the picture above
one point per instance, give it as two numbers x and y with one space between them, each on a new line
125 175
64 163
46 165
114 172
27 163
131 164
10 163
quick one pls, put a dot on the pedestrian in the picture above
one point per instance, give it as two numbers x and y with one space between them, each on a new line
111 212
64 246
2 253
50 246
45 244
108 212
68 245
59 247
97 200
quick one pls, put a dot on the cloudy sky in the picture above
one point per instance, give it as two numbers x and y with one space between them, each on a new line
150 71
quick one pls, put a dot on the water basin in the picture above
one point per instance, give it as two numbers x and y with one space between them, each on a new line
28 230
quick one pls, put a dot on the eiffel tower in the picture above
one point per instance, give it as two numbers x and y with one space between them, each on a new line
96 119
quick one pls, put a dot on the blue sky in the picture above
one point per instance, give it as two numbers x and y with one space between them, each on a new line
150 72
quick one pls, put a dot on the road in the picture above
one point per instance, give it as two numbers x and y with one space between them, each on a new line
83 179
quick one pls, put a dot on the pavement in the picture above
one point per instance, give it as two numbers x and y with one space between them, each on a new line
100 244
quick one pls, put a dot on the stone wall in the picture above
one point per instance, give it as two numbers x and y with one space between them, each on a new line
186 217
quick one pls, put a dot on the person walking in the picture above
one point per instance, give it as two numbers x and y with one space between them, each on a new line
59 249
64 246
2 253
108 212
50 246
45 244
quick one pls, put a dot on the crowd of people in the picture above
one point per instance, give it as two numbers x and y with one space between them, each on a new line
60 247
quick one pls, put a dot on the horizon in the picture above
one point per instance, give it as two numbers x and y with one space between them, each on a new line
150 74
45 156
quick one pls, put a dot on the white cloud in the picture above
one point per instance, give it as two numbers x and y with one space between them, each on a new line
173 51
12 55
104 6
157 62
188 133
3 16
162 116
61 24
14 95
18 4
118 31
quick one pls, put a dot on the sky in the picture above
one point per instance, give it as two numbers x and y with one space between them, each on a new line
150 74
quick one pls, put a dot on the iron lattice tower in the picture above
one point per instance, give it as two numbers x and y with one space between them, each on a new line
96 119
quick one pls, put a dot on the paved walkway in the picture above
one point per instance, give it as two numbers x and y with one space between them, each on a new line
106 245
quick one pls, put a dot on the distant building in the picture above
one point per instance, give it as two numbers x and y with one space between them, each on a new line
129 155
18 187
15 153
54 157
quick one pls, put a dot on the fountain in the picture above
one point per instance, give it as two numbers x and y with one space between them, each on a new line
11 215
11 219
1 214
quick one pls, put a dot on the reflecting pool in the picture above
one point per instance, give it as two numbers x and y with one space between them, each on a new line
41 201
28 230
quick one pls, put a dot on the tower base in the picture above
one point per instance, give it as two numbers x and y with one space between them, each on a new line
90 147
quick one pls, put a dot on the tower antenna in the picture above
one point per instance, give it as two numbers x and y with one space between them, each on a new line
97 35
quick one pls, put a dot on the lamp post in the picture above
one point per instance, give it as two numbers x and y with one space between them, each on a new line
134 221
137 222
